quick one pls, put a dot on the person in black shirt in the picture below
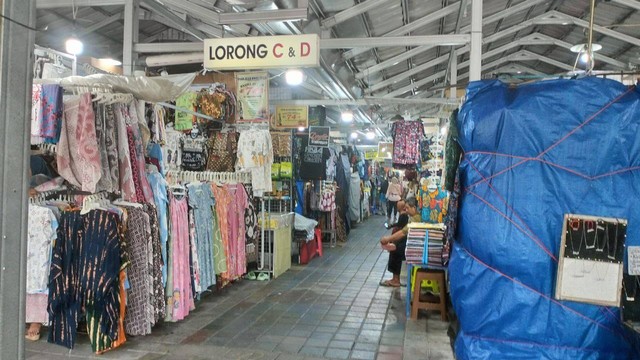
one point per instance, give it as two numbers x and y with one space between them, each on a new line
397 241
383 196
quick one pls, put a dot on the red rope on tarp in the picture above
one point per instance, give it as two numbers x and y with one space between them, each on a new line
531 234
522 342
539 156
554 301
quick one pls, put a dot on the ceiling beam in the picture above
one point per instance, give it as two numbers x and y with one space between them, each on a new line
100 24
208 15
52 4
412 26
514 67
552 17
465 29
528 40
174 20
598 28
629 3
518 56
438 40
351 12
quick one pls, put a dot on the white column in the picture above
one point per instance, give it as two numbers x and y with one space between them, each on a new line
16 56
475 66
453 74
131 22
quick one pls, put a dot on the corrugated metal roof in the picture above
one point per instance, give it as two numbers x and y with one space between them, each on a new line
379 21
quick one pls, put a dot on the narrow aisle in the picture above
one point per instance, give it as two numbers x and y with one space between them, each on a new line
333 307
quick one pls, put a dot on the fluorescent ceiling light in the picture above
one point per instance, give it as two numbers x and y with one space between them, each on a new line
111 62
294 77
371 135
74 46
347 116
354 135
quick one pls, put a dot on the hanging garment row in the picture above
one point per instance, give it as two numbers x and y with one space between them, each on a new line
118 268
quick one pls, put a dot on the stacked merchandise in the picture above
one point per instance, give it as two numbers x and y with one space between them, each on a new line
435 244
424 244
416 240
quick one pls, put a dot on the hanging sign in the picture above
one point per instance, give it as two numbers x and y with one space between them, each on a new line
370 154
317 115
252 96
385 150
291 117
319 136
262 52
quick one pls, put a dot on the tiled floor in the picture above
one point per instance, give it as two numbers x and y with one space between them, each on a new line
330 308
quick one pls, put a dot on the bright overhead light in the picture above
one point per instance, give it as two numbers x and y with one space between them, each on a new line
74 46
371 135
294 77
584 58
111 62
347 116
301 128
354 135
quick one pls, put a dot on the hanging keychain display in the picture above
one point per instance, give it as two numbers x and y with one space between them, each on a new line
590 265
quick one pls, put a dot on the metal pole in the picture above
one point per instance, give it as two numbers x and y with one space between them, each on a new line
591 63
475 60
16 48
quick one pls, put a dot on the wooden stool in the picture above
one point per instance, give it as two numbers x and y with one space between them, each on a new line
433 275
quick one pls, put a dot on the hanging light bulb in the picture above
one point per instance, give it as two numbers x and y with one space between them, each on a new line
584 58
294 77
301 128
74 46
371 135
354 135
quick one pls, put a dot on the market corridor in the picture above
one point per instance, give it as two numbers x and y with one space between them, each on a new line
331 308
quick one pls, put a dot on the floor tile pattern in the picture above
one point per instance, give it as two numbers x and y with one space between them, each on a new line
331 308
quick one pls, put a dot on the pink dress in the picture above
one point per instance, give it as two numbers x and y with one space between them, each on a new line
78 157
182 301
127 186
235 217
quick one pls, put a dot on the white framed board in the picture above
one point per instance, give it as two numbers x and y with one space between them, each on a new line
590 266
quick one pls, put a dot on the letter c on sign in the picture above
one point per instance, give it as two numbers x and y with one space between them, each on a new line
277 54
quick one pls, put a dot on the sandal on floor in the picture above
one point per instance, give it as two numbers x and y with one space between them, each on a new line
251 275
263 276
388 283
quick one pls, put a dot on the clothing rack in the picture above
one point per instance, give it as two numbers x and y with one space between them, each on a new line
74 60
210 176
48 148
180 109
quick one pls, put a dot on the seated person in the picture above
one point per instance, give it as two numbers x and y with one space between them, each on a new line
399 239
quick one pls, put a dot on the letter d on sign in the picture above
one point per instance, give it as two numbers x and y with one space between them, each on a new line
305 49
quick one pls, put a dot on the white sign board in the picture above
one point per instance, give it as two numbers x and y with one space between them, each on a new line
633 260
262 52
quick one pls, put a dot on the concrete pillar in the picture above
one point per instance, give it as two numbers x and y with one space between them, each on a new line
16 49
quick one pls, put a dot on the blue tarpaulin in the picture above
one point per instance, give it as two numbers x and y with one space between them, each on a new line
533 153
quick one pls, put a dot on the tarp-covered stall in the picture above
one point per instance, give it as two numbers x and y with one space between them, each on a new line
532 154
